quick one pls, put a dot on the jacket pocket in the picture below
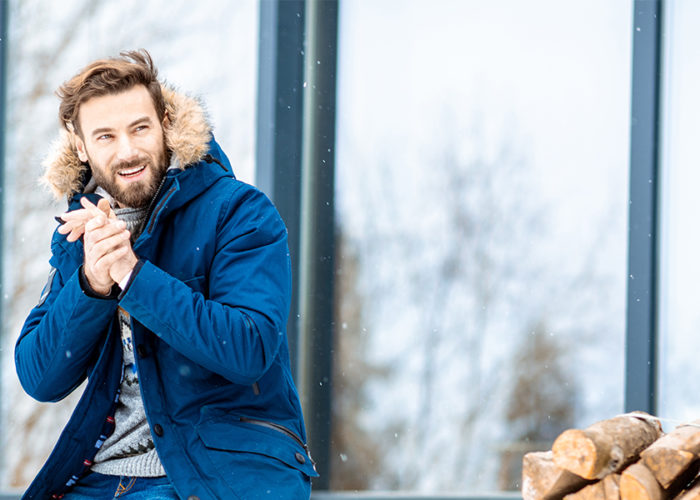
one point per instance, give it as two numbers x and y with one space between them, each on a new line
254 436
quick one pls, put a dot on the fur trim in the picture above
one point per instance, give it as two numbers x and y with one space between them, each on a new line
63 169
187 138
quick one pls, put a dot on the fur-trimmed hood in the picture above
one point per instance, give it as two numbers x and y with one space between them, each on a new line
187 138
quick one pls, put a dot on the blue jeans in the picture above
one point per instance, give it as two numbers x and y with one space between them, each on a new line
99 486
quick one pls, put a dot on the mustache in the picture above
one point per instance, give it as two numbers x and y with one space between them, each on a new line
123 165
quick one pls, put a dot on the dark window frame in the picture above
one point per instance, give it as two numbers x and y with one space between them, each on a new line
643 228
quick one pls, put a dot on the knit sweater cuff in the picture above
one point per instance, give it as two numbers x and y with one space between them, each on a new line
144 465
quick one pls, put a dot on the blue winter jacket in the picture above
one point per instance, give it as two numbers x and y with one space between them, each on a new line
208 304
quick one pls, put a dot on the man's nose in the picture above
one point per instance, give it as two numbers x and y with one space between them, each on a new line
125 149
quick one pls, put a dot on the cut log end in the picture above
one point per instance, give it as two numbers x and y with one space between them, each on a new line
542 480
638 483
574 451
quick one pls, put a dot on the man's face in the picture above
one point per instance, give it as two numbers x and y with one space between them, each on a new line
123 141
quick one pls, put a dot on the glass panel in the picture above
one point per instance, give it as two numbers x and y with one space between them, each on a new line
680 245
207 48
482 164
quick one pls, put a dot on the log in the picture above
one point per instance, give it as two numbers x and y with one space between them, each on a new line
595 491
606 446
611 484
542 480
684 437
638 483
606 489
672 454
668 464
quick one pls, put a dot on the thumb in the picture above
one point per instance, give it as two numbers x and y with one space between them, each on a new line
103 205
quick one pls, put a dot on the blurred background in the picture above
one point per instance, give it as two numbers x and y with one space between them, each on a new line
480 156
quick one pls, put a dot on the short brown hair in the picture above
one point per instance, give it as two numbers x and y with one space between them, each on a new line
109 76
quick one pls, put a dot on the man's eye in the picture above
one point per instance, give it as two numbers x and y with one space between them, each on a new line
104 137
141 127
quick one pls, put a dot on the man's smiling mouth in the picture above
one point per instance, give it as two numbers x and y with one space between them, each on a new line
132 172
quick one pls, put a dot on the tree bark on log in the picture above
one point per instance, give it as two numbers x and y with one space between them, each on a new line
606 446
672 454
543 480
667 464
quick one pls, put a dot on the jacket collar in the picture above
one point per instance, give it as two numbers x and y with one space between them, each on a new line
187 138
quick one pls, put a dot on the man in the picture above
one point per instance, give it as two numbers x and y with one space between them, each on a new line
169 291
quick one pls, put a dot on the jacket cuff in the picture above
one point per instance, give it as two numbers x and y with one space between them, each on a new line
134 272
90 292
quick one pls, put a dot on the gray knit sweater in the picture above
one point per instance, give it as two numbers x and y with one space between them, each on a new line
129 451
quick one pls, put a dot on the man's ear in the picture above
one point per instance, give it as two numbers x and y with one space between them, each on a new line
166 121
80 148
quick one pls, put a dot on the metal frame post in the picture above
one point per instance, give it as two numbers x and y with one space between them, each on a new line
318 229
279 128
642 278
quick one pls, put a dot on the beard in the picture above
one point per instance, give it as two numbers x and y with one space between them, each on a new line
135 194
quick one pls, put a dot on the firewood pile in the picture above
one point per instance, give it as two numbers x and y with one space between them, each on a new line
627 457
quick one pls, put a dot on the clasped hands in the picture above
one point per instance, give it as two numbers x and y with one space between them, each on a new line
109 257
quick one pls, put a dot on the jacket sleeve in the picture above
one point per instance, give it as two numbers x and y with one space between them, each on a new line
237 329
60 335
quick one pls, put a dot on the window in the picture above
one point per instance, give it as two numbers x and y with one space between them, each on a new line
481 193
679 269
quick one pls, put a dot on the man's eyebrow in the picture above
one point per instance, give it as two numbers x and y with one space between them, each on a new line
143 120
99 131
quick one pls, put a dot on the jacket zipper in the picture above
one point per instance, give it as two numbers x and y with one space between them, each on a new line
283 430
208 158
149 212
152 208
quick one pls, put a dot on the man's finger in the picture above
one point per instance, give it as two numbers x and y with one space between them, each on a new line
80 214
75 234
69 226
96 222
105 262
104 205
109 242
90 207
103 257
102 227
74 230
104 241
65 228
